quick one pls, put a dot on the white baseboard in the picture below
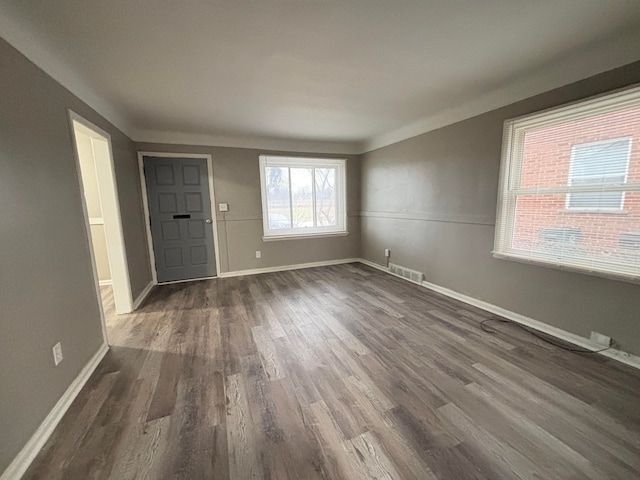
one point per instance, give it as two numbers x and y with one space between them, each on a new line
283 268
377 266
16 469
105 282
624 357
144 294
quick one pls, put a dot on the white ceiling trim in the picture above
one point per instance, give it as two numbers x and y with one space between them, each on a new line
259 143
26 42
605 56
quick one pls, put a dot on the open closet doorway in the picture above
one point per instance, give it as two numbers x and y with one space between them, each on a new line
96 174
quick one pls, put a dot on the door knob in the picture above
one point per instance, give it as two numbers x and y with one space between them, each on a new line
208 220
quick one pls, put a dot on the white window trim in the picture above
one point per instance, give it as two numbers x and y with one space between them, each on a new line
568 206
509 188
340 229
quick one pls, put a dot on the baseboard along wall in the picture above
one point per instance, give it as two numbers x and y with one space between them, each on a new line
619 355
257 271
143 295
19 466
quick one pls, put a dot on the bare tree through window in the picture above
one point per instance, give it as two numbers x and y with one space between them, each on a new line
302 195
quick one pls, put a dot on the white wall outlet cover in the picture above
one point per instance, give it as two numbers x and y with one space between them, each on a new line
258 254
387 252
600 339
57 353
223 207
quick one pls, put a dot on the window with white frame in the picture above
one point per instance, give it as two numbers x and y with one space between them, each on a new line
302 196
570 187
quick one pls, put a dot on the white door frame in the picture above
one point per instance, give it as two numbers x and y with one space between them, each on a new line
145 202
112 221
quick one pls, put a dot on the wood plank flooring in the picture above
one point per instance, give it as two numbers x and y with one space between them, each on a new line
339 372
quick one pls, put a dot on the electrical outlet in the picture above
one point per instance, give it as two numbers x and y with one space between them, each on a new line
223 207
57 353
258 254
387 252
600 339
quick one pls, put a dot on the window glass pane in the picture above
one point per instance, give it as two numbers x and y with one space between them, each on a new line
580 239
598 164
599 159
302 197
536 220
595 200
278 198
326 197
571 192
554 154
546 156
597 181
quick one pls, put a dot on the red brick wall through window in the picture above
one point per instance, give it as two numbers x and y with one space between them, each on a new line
544 223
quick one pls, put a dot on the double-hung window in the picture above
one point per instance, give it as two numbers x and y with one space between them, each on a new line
302 196
570 187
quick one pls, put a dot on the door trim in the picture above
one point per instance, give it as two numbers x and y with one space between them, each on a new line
145 203
123 297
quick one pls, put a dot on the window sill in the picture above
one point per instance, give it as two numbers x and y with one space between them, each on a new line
301 236
548 263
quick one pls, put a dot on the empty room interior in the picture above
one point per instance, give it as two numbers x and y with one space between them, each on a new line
320 239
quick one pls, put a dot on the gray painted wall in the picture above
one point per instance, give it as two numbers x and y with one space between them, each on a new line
46 282
432 200
236 178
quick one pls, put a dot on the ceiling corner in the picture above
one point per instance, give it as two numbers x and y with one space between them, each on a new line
35 50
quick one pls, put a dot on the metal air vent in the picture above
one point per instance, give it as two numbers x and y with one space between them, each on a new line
411 275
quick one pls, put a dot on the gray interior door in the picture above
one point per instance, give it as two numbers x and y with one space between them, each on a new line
180 217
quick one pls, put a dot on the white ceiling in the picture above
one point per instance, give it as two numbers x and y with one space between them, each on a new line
338 75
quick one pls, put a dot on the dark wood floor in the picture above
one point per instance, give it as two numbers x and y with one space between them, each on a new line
339 372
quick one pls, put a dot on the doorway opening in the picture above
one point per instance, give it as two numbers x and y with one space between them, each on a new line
96 174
